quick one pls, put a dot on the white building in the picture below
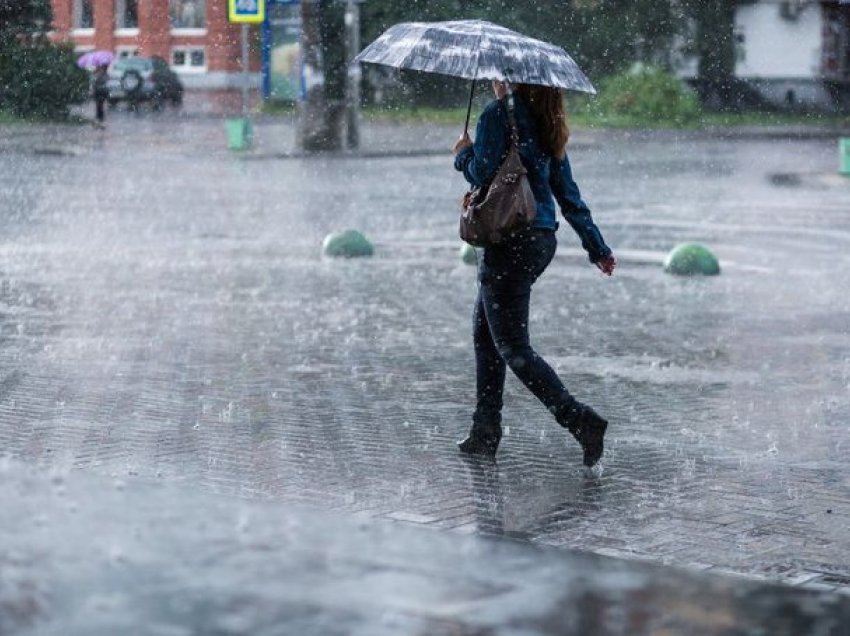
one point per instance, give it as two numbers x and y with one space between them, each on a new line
796 53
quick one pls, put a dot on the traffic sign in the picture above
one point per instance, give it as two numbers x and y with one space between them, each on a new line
246 11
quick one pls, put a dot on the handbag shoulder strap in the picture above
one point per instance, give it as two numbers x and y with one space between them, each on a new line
509 103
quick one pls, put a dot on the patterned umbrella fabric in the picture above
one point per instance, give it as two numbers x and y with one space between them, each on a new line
93 59
476 49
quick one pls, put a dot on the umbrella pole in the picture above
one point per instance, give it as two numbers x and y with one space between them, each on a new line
469 108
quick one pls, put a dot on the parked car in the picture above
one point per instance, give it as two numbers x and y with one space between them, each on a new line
140 79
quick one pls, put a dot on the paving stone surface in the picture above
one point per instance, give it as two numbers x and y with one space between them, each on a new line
165 312
179 561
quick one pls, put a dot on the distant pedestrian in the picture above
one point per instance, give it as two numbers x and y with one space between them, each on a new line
101 92
507 270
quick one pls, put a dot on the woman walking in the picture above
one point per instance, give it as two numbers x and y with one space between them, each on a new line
100 93
507 270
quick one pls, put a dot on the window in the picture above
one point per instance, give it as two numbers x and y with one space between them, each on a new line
188 14
83 14
123 52
189 58
126 14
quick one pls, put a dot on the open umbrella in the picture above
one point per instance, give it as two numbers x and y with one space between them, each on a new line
475 49
93 59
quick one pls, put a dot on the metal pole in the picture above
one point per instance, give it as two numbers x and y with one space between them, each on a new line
352 31
244 70
469 107
266 57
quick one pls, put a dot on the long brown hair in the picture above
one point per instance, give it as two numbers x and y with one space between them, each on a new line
547 108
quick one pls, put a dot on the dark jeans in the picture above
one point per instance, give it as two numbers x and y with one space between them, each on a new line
506 273
99 104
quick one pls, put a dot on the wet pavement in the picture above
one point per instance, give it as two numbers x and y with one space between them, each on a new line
166 316
178 561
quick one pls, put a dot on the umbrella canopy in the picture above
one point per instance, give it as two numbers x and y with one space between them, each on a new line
93 59
476 49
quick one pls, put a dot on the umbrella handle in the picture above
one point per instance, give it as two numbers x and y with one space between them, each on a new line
469 108
472 94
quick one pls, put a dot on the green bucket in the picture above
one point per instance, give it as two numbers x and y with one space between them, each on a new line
844 155
239 133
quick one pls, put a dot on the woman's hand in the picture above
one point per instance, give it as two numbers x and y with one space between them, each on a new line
607 264
463 142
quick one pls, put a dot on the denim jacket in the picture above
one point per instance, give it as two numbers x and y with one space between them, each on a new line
548 176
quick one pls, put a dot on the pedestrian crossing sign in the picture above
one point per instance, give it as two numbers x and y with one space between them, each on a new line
246 10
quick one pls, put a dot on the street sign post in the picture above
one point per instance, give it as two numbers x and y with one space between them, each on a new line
246 11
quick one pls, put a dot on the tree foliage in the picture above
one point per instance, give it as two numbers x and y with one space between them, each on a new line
37 77
24 16
604 37
714 42
610 36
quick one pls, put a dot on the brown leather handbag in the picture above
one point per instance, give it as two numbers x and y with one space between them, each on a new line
505 205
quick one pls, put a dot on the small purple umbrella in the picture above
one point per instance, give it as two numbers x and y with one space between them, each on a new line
93 59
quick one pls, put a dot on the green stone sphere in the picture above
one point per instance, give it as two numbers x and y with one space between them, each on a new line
467 254
348 244
691 259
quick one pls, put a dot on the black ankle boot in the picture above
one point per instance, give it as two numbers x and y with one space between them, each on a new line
590 432
588 427
479 445
484 436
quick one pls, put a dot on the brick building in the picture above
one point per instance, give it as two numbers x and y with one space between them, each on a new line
194 36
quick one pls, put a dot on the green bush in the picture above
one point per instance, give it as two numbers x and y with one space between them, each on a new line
39 79
647 95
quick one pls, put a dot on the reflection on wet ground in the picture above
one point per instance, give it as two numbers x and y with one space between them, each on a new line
178 561
165 312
